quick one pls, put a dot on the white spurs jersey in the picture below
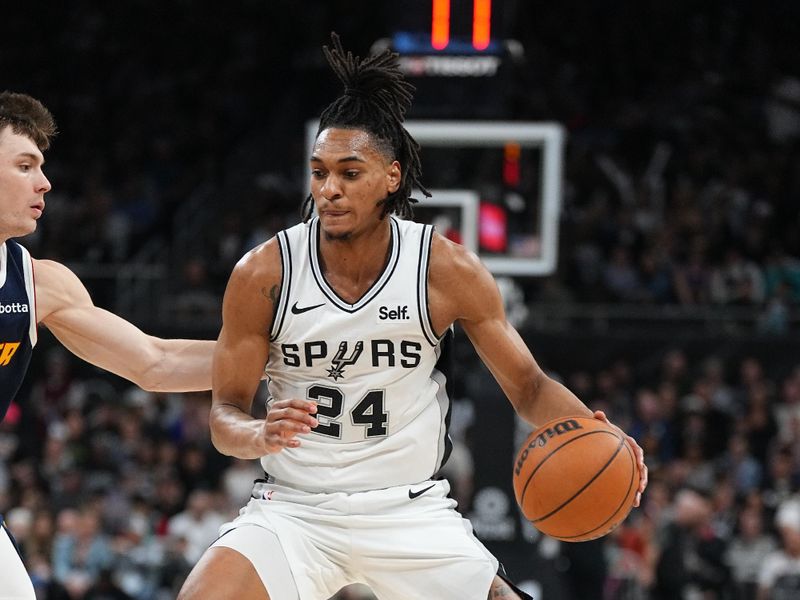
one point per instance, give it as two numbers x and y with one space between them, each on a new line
373 367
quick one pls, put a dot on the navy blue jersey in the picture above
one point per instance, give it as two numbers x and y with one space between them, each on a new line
17 319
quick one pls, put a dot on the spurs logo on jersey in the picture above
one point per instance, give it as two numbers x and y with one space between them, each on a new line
17 319
340 361
374 367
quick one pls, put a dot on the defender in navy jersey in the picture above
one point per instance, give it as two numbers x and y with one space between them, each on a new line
349 311
45 292
17 319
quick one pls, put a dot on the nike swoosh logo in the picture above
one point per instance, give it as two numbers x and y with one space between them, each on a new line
296 310
413 495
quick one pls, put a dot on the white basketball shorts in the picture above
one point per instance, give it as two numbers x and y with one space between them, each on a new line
14 581
405 543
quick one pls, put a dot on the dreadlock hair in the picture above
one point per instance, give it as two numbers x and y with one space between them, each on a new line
27 116
376 98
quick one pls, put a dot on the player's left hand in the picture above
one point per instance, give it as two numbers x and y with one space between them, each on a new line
599 414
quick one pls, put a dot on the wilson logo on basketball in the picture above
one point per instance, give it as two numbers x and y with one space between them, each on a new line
541 439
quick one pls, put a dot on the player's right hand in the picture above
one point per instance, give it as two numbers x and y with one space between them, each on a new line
285 419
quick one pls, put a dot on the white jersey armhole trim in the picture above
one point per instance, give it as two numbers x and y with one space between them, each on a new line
3 263
30 288
423 267
286 285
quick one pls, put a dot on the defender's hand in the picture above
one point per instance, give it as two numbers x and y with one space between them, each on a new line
285 419
599 414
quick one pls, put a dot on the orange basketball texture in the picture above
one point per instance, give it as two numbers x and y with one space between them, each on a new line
575 478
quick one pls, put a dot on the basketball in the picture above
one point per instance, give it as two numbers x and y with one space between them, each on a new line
575 478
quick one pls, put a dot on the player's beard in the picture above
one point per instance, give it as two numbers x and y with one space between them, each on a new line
346 235
337 237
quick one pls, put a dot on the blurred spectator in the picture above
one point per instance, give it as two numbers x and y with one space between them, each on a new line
81 550
787 409
738 281
237 481
783 477
621 277
779 578
40 540
630 559
774 319
104 588
758 424
20 521
193 468
751 374
195 298
45 584
690 555
674 370
651 429
692 278
737 462
194 528
55 389
721 396
724 507
782 276
783 110
657 277
709 423
746 553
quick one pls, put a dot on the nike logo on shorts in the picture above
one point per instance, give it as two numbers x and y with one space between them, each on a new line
296 310
413 495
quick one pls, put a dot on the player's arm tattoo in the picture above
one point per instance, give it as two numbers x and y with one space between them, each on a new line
501 591
271 294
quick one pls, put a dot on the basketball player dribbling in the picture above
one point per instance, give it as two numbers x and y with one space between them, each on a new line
56 298
352 313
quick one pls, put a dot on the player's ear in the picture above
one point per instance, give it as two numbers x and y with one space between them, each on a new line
393 177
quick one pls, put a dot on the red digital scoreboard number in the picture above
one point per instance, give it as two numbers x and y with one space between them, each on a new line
440 24
481 24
